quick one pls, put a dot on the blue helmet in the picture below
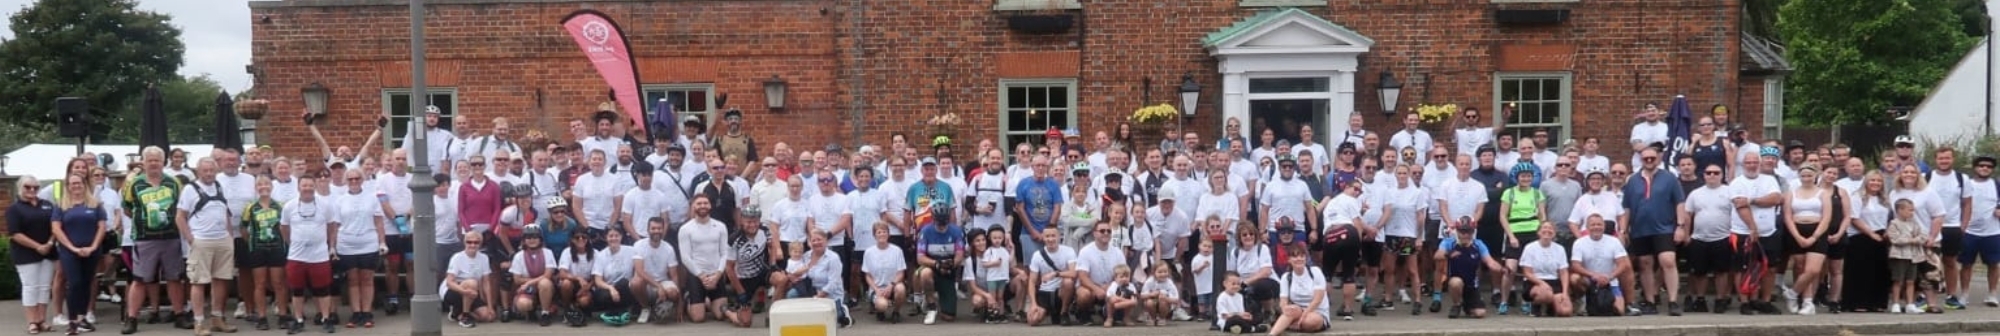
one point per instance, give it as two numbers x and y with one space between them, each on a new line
1524 167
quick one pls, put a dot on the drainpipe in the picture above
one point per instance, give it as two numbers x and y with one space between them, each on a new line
1986 124
858 75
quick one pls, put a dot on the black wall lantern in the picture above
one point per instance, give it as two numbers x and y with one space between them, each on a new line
774 93
1390 90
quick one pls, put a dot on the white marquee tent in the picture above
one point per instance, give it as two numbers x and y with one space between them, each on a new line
45 161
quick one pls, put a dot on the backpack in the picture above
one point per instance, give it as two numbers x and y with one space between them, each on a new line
204 199
1600 302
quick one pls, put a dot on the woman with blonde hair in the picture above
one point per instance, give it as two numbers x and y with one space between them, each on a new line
79 227
31 247
1866 268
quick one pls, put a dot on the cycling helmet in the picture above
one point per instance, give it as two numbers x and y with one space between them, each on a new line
1523 167
554 202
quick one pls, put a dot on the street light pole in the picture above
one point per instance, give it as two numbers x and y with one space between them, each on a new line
424 306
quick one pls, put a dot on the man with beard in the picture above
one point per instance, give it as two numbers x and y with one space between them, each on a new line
988 201
722 194
1653 201
435 136
735 142
604 137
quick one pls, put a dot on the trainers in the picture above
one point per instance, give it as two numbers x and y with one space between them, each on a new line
1403 295
1698 305
1768 308
1953 303
242 310
645 315
217 323
1992 301
1528 309
328 324
131 325
1455 312
201 328
1914 309
1673 309
1504 307
1416 308
296 326
62 319
91 318
1181 314
260 323
1721 306
465 321
1808 309
930 317
1437 301
1346 316
1895 308
395 304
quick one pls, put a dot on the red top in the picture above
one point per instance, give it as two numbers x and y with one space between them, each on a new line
478 205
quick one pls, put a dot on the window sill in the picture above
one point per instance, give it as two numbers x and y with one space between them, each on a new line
1033 5
1281 3
1532 1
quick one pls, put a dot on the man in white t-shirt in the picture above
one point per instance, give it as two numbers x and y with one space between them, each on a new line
204 224
1410 136
1469 133
1982 233
1950 187
1600 262
656 281
465 284
1758 190
1096 261
1056 271
1649 130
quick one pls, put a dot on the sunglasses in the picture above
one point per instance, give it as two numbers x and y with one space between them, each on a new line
1650 158
1103 230
1713 172
1620 173
31 187
353 179
478 164
825 180
1562 165
770 165
1982 166
1439 156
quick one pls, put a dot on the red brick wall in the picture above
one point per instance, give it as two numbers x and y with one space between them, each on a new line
499 56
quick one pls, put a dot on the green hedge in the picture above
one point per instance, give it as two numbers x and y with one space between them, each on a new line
10 280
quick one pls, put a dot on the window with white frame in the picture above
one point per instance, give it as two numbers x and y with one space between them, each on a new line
1029 108
1541 101
1774 108
691 99
396 104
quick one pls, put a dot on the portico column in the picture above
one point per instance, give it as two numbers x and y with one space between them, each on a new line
1235 101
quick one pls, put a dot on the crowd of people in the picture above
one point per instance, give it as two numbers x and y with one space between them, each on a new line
1264 236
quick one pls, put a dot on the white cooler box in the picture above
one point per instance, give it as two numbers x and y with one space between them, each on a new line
804 317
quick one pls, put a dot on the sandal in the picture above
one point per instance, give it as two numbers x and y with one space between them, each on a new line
34 328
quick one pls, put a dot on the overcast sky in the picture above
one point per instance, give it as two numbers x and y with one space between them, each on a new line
216 32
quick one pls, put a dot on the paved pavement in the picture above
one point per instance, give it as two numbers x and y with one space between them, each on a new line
1974 320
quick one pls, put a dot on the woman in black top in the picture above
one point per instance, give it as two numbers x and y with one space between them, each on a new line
32 248
1710 150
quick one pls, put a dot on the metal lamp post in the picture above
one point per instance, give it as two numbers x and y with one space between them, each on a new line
1190 96
774 93
1390 90
424 306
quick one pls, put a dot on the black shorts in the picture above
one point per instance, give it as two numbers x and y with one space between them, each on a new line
1836 246
752 286
1048 301
357 262
247 258
695 294
903 242
1371 253
1555 285
1470 296
1340 260
1773 248
1525 238
1818 245
1650 245
399 244
1709 258
1953 242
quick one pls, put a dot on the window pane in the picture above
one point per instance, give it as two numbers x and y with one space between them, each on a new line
1551 89
1017 121
695 101
1017 97
1038 98
1028 110
1284 85
1058 97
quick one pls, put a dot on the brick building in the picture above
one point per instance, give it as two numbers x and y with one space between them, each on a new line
864 69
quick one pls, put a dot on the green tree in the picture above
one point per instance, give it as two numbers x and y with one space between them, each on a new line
1854 59
105 51
189 103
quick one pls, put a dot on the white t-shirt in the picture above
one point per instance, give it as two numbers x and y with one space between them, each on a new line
1170 229
1753 188
1001 260
596 193
883 262
1223 206
307 222
1418 138
1548 262
210 222
240 190
464 267
868 208
1063 259
358 213
790 215
1226 305
1248 263
1099 262
1599 255
1944 184
1403 205
1286 199
1344 209
1299 288
825 211
1605 204
582 265
1461 198
643 205
1927 204
1649 132
658 259
1204 279
1711 209
447 228
1469 139
398 189
615 263
991 190
520 262
1984 200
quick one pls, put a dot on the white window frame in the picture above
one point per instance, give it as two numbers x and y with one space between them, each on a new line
1774 108
1566 100
1069 84
707 115
1030 5
449 111
1280 3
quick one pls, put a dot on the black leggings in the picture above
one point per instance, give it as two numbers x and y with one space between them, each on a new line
78 274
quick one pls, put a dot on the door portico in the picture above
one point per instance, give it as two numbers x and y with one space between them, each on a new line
1288 57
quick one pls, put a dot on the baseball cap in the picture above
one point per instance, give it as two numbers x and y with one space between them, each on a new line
1905 140
928 161
1165 195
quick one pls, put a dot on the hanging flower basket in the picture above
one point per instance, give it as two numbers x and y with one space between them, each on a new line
252 109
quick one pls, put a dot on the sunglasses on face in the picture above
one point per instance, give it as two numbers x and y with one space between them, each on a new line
31 187
478 164
1982 166
1650 158
1103 230
1713 172
1562 165
1619 173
